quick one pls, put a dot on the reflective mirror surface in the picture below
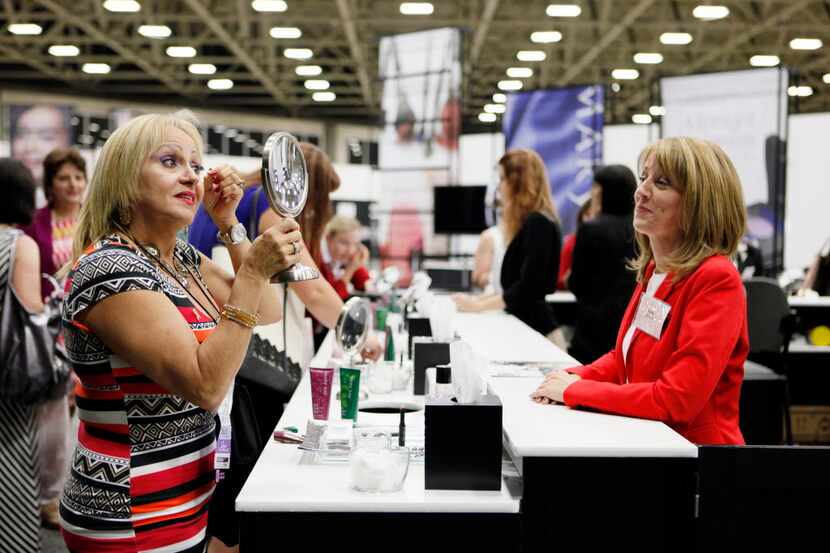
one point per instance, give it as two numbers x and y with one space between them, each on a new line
353 325
284 174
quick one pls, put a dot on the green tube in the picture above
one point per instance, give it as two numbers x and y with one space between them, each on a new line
349 392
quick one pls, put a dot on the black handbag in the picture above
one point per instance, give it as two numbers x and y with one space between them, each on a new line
30 368
265 365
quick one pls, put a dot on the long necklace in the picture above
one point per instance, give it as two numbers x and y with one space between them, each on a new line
180 276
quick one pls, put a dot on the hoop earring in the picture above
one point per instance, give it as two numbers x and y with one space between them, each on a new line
125 216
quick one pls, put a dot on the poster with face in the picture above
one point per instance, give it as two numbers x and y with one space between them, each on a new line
37 129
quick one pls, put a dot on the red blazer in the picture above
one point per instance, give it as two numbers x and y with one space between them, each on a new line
690 378
359 279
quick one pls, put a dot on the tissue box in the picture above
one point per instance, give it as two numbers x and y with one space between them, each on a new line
417 325
451 279
463 444
426 352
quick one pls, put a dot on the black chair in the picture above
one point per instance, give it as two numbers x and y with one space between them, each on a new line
765 396
760 498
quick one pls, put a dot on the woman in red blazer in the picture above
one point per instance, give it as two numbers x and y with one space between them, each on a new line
683 340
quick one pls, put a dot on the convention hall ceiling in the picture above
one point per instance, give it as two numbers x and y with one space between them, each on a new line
343 37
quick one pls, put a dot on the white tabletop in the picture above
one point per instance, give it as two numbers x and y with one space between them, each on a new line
535 430
561 296
808 301
286 479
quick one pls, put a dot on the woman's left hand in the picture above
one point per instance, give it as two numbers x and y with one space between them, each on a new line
466 302
554 386
371 349
223 192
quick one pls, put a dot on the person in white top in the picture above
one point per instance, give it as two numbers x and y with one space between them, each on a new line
488 258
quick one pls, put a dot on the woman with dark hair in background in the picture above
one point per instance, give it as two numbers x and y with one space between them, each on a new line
600 278
19 479
53 228
531 261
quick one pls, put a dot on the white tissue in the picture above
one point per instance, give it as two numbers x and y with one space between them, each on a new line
467 381
423 304
441 318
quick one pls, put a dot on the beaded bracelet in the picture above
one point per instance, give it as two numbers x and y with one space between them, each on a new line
237 315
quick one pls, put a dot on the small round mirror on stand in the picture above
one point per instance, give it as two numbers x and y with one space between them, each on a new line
285 181
353 325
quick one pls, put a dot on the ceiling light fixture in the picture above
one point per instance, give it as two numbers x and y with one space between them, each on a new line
181 51
764 61
220 84
676 38
298 53
641 118
500 98
122 6
519 72
324 96
285 32
625 74
806 43
801 91
64 50
202 68
317 84
96 68
710 13
648 58
25 29
416 8
308 70
563 10
530 55
495 108
487 117
657 111
826 78
269 5
155 31
510 85
545 37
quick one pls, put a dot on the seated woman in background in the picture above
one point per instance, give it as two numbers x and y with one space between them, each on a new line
53 227
343 257
156 333
488 259
600 278
585 213
531 262
683 341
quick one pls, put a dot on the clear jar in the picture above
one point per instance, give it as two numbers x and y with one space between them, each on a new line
376 465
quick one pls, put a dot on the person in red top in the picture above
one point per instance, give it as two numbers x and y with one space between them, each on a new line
344 257
683 340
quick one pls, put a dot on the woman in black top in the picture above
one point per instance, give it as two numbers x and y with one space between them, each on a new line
531 261
600 278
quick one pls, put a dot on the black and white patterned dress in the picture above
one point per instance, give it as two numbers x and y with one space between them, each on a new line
19 471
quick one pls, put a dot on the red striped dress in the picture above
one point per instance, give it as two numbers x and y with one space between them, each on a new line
142 473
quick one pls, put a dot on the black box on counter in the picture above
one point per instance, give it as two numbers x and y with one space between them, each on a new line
417 325
426 353
463 444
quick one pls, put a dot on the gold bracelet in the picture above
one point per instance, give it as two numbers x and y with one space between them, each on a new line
237 315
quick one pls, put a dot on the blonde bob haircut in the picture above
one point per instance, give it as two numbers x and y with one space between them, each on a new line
115 181
712 211
527 189
341 223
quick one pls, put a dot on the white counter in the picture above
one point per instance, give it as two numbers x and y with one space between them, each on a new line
561 296
536 430
285 479
808 301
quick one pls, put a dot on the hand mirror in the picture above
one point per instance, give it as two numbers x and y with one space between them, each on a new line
353 325
285 181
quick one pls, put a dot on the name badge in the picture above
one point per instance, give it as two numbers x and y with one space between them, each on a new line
651 314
